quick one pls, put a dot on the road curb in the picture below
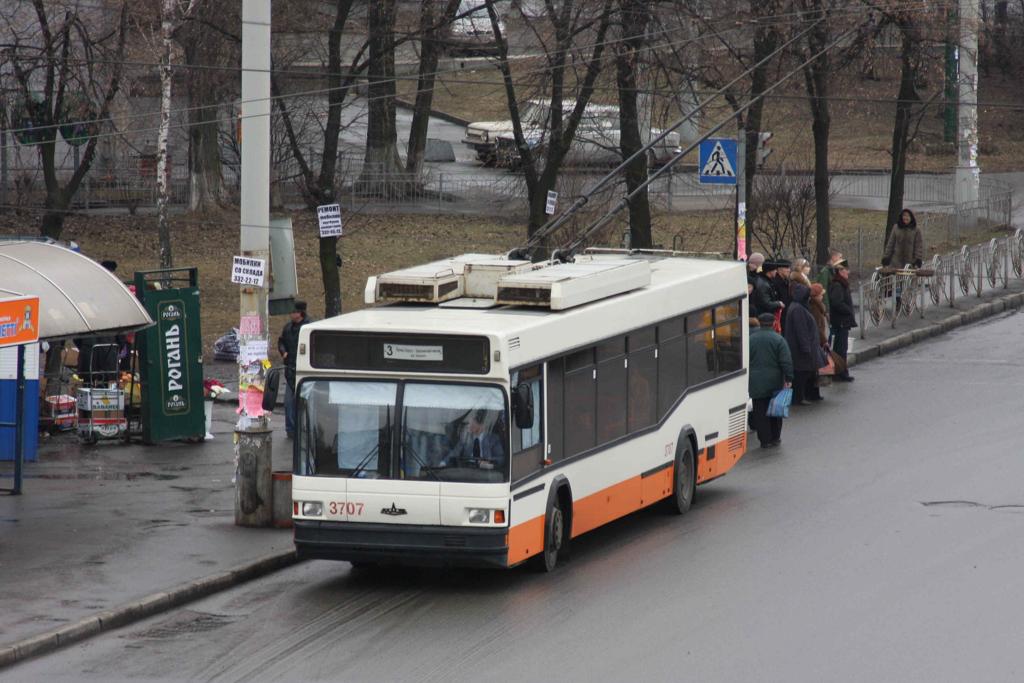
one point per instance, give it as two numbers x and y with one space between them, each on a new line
900 341
147 606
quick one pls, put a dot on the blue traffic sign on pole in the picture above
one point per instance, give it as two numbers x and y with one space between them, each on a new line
717 165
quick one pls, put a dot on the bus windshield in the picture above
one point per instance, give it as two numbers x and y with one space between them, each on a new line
402 430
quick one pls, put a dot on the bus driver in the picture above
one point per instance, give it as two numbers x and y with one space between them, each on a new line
477 444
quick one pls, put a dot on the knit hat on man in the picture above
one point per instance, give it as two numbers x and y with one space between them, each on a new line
766 319
756 259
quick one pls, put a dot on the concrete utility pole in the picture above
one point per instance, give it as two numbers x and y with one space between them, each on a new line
968 179
252 433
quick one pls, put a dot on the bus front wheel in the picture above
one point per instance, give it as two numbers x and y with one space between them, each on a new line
555 536
684 480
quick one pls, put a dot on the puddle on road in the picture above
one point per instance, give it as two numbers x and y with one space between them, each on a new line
185 623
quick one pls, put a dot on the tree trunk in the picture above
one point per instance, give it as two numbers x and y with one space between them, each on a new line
207 191
203 45
381 159
634 24
163 227
432 27
562 130
331 273
901 128
765 42
816 81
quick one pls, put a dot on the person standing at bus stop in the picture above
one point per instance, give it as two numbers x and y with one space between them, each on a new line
771 369
288 346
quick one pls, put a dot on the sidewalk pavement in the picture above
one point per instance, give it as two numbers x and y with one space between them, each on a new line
107 534
100 528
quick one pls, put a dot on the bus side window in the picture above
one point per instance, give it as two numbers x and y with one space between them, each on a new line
700 348
528 444
671 364
728 338
580 395
643 379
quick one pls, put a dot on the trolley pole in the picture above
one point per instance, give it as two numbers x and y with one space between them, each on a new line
252 432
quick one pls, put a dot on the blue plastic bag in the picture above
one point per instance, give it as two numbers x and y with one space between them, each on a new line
779 405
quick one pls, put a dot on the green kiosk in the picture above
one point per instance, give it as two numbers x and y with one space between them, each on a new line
171 356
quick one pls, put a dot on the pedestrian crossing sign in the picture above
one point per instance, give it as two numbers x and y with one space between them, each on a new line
717 162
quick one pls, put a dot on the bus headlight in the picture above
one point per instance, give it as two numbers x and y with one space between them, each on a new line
477 516
313 509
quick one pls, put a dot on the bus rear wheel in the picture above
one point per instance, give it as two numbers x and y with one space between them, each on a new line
684 481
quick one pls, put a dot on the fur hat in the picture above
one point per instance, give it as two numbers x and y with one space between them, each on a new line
756 259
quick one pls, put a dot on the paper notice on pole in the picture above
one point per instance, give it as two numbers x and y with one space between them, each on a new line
252 351
329 217
552 202
248 271
250 326
250 402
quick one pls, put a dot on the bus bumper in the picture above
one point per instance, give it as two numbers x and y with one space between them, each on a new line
402 544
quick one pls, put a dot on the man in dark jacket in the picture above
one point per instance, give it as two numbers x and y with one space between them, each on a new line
802 336
762 298
771 369
780 283
842 318
288 346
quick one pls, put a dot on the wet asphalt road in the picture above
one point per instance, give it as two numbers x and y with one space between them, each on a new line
883 541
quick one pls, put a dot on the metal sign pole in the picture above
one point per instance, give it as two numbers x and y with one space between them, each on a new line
19 419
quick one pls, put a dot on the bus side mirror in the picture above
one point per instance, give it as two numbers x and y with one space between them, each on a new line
522 406
271 385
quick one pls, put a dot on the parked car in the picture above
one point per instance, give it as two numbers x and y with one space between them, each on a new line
597 137
471 33
483 136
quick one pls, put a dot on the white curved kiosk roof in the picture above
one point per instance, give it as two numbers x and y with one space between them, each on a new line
77 296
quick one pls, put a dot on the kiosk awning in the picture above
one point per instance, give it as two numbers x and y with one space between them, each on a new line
77 296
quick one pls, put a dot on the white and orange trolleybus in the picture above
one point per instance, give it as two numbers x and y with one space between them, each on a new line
486 411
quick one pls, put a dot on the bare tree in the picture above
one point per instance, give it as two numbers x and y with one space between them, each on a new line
635 16
569 21
64 58
210 46
432 28
909 105
319 188
172 14
381 159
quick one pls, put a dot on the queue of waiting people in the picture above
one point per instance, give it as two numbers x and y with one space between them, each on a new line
799 330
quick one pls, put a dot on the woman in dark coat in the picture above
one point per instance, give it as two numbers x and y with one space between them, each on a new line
801 334
771 369
841 314
905 244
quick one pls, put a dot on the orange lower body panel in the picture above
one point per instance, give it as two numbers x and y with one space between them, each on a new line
717 459
525 540
618 500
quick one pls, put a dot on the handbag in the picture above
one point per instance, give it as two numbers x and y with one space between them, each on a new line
777 325
830 366
838 361
779 405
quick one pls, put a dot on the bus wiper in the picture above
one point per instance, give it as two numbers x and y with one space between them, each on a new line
376 449
365 461
407 446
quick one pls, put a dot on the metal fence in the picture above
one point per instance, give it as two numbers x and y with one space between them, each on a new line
888 295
